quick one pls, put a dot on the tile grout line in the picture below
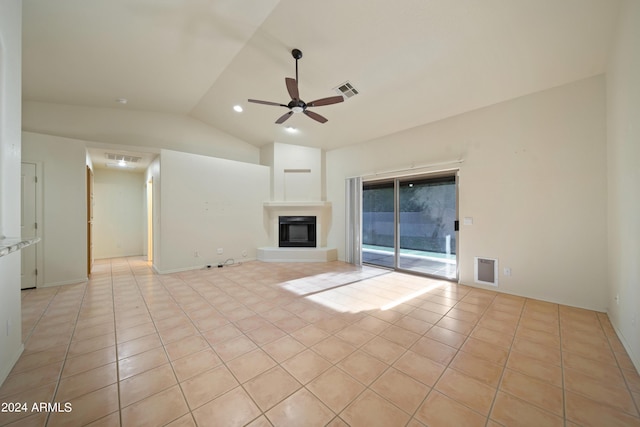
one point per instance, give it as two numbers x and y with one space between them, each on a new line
115 349
66 355
44 310
142 295
484 312
564 389
278 364
629 390
504 368
115 339
406 350
423 335
303 386
224 363
424 399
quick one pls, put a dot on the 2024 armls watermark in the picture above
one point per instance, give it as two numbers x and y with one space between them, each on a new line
36 407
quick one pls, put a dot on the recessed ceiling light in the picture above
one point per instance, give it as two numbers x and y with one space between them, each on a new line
291 129
237 108
122 100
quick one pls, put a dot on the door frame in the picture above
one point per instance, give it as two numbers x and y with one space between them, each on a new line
149 216
40 220
90 203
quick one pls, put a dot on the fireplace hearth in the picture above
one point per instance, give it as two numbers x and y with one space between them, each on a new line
297 231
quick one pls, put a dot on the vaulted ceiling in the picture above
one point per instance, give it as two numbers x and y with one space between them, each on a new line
413 61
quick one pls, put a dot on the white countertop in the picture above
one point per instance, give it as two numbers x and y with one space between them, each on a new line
12 244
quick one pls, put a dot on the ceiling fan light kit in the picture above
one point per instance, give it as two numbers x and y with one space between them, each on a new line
297 105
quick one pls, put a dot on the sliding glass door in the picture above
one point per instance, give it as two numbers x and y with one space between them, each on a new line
378 224
410 224
427 215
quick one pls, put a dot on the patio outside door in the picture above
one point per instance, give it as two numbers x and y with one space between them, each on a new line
409 224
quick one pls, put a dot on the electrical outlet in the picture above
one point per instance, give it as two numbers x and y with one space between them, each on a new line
507 271
220 251
196 254
244 253
617 299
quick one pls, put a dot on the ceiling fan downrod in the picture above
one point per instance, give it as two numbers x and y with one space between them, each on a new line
297 54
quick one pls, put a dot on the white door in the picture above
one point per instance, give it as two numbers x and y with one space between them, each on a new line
29 225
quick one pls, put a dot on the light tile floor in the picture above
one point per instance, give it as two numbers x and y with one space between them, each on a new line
311 344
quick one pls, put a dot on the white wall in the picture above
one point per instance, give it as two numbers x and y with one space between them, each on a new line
533 179
10 145
138 128
296 172
623 154
208 203
119 213
64 232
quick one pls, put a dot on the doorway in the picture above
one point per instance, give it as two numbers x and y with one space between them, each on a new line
150 220
410 224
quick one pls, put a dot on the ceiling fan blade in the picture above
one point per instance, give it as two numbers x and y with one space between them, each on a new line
292 87
325 101
315 116
284 117
257 101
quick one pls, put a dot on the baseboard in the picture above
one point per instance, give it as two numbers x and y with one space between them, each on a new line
635 359
66 282
537 298
275 254
214 266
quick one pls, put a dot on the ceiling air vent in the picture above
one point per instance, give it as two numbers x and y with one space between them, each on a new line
346 89
122 158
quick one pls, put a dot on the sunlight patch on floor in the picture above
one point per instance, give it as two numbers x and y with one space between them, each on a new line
382 292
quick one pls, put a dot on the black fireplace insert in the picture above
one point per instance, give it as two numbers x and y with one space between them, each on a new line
297 231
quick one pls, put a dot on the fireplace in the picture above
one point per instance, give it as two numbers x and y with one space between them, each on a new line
297 232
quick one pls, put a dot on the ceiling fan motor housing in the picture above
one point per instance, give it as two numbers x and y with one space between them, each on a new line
297 106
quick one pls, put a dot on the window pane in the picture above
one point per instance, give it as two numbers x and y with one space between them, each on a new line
378 224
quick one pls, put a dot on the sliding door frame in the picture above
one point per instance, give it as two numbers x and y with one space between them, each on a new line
396 180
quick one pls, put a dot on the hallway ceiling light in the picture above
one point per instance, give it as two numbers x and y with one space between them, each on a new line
120 165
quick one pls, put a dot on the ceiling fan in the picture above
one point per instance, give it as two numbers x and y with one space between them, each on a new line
297 105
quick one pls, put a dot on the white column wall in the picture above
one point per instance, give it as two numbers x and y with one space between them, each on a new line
10 165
